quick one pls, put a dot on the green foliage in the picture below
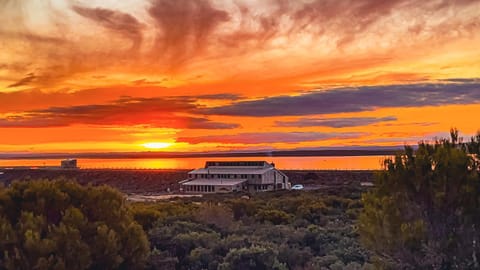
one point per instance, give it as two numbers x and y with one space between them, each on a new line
276 217
242 208
218 216
273 230
61 225
423 211
255 257
313 212
146 216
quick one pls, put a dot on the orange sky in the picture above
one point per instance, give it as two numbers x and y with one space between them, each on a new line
214 75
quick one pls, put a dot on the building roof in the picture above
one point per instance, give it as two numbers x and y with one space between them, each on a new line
249 164
234 170
215 182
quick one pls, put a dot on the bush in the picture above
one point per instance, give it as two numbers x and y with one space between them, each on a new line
423 211
276 217
145 216
62 225
218 216
255 257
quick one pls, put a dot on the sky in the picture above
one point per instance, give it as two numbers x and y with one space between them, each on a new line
221 75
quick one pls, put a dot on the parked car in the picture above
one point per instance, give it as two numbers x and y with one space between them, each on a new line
297 187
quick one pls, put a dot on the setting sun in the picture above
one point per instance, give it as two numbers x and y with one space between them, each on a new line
156 145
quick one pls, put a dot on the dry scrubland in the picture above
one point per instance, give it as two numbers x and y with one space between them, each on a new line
158 181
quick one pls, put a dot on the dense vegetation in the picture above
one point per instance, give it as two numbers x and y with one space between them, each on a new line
62 225
424 211
282 230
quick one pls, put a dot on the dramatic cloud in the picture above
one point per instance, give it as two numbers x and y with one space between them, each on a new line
29 100
185 38
221 96
269 137
154 112
184 26
335 122
323 16
357 99
118 22
24 81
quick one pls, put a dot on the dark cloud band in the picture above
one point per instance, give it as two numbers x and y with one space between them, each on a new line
357 99
269 137
335 122
168 112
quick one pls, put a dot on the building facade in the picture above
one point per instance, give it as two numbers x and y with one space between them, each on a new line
69 164
232 176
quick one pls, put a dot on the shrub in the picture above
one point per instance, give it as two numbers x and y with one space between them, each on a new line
274 216
255 257
423 211
62 225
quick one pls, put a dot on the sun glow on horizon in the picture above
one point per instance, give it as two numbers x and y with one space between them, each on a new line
157 145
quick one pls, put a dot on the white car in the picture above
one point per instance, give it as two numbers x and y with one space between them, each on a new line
297 187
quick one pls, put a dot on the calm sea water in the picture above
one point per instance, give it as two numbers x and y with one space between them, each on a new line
304 163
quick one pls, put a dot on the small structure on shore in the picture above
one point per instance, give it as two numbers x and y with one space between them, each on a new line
232 176
69 164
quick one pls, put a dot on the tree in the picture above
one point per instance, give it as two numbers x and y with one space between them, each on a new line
62 225
423 210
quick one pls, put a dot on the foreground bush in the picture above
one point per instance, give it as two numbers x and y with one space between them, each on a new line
424 210
62 225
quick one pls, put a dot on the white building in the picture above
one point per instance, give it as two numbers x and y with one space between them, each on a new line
231 176
69 164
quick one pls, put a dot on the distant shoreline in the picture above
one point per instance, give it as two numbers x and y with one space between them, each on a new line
142 155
